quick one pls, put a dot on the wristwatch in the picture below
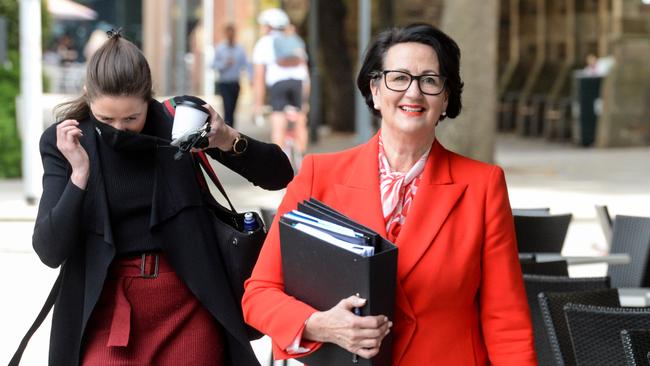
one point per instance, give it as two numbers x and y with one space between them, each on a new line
239 145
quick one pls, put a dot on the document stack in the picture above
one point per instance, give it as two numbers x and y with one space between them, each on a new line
327 257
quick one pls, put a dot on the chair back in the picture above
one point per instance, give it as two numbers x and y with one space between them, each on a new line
541 233
632 236
551 305
606 224
636 346
553 268
534 285
596 331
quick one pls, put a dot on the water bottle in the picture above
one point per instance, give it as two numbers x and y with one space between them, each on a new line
250 224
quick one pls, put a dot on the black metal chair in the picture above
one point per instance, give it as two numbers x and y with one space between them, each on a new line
551 305
553 268
541 233
536 284
606 223
596 331
636 345
632 236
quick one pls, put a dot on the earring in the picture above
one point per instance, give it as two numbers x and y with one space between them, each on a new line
377 106
444 114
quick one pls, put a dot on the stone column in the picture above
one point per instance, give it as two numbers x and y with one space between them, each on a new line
157 43
474 26
30 114
625 92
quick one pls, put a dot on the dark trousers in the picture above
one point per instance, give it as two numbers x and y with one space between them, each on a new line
229 93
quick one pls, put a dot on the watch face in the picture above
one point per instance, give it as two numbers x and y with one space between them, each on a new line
240 145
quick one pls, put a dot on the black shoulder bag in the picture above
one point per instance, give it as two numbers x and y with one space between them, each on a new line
239 248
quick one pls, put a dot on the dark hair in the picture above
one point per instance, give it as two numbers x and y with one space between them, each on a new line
117 68
446 49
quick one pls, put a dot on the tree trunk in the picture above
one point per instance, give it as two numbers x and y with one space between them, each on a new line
337 71
385 14
473 132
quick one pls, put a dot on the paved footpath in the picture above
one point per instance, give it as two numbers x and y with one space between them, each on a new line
563 177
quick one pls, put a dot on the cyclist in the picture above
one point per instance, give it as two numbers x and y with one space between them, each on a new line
280 64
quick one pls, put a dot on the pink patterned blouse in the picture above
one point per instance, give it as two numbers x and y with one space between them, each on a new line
397 191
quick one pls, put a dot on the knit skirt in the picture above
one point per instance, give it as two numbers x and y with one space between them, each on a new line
148 316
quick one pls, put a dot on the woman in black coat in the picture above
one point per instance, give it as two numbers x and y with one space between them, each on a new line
143 281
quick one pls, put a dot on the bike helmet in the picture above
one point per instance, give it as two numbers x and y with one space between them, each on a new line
274 18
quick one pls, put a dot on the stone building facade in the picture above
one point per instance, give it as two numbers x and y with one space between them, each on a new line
546 88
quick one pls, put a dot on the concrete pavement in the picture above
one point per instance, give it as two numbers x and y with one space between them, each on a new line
563 177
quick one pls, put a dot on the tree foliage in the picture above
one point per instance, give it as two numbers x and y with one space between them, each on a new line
10 146
9 10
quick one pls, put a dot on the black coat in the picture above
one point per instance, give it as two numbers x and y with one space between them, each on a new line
73 230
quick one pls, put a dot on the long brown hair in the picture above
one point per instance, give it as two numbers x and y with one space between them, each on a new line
117 68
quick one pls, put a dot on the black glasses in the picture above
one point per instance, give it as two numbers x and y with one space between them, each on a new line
399 81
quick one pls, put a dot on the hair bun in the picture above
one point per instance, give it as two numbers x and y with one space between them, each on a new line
114 33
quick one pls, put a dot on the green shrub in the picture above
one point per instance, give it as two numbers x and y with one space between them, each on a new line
10 148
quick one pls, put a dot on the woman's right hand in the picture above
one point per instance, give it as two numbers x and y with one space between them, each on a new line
67 141
361 335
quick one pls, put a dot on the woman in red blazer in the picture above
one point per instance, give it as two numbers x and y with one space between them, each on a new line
460 297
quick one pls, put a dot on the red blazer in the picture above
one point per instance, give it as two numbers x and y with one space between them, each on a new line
460 295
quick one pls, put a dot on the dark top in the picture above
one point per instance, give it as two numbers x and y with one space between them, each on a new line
74 229
129 195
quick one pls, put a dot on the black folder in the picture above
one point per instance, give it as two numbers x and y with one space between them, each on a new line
321 274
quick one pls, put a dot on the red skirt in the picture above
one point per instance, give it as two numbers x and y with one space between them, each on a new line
146 315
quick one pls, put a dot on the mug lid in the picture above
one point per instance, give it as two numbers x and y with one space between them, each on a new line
194 105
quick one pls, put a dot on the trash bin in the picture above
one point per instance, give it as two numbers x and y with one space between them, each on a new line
586 92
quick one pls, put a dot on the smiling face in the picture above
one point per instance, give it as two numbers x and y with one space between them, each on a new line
126 113
409 112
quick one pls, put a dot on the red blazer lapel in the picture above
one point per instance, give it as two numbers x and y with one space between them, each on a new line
358 194
433 202
359 197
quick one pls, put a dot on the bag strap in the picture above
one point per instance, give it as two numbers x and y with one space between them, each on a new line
199 156
49 303
205 164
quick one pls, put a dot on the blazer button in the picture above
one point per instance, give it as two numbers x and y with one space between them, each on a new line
406 319
234 241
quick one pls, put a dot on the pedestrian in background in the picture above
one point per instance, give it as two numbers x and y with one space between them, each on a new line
142 281
229 61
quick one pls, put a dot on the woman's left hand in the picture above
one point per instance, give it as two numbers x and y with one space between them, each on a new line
361 335
221 135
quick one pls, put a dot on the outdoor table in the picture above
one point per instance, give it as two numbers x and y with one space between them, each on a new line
631 297
634 297
611 259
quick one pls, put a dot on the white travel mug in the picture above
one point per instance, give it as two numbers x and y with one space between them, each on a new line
188 118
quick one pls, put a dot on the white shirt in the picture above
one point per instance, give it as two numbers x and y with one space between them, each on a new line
264 53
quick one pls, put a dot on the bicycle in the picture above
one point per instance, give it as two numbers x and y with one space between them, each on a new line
290 144
291 148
